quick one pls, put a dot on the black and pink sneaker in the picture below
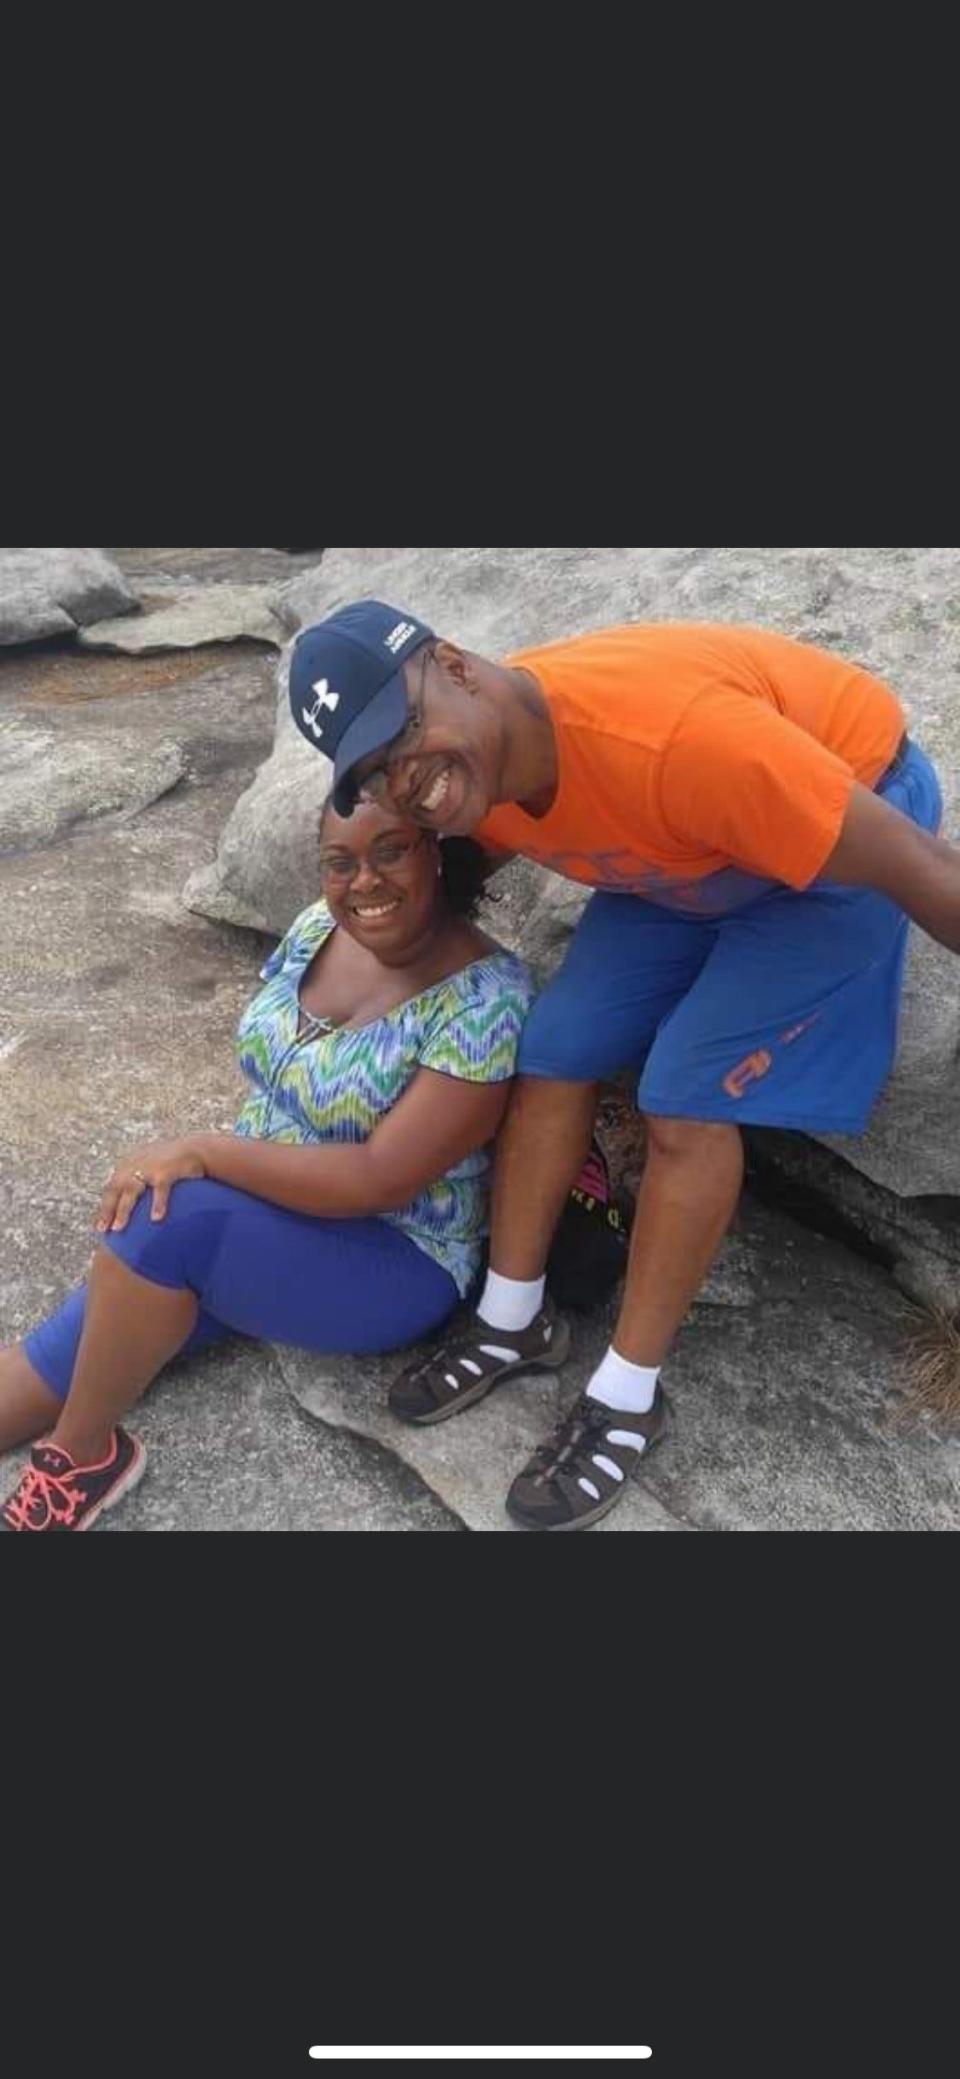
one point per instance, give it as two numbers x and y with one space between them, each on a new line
56 1494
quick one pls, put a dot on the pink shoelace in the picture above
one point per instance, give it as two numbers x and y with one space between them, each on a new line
37 1489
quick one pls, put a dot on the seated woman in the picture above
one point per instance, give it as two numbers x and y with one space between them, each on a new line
348 1209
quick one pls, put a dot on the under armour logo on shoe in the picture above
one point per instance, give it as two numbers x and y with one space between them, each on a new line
324 699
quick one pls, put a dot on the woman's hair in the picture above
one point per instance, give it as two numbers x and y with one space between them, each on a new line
464 868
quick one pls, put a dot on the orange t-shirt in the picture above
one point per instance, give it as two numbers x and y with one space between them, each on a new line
697 761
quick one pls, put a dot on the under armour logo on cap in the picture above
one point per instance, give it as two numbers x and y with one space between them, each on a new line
324 699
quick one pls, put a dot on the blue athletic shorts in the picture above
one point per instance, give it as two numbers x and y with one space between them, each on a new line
351 1286
784 1012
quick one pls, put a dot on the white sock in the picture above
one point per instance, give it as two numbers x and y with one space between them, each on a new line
508 1303
621 1385
617 1384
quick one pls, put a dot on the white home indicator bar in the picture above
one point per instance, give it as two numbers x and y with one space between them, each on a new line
486 2051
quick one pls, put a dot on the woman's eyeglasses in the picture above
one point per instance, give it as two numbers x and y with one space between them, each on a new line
387 855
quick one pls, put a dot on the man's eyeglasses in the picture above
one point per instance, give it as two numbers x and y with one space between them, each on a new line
375 779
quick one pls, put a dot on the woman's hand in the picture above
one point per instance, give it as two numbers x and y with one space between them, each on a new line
159 1165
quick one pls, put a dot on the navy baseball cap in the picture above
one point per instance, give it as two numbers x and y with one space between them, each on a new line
347 690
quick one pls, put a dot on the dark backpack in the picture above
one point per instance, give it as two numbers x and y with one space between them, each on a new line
589 1254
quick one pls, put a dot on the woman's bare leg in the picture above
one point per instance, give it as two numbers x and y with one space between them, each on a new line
28 1409
131 1329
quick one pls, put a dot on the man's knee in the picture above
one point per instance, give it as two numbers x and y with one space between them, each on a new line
563 1043
559 1054
689 1137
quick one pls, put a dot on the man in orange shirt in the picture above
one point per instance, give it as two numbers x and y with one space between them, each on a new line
759 829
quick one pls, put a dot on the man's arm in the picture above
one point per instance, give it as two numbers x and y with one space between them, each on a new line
879 848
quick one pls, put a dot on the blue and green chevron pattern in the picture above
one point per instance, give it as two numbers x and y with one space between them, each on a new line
336 1085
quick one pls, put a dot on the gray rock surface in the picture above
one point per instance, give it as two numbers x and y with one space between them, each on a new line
46 592
917 1239
146 569
470 1462
785 1404
183 618
895 610
53 779
265 866
782 1389
228 1449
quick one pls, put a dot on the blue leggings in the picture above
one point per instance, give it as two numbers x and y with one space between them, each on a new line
355 1286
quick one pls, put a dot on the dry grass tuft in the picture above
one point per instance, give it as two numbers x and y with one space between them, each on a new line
931 1385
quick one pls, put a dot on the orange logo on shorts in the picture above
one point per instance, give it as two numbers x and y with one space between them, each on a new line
749 1071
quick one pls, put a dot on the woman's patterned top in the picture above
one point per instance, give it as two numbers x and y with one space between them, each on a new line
335 1083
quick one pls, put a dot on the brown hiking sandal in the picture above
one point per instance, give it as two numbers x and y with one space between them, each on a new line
474 1360
581 1473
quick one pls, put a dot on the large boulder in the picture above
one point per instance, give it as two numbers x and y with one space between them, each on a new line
897 611
265 869
916 1238
52 781
46 592
184 617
